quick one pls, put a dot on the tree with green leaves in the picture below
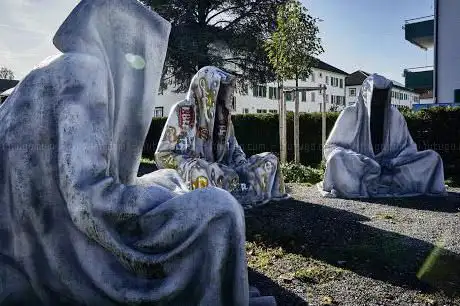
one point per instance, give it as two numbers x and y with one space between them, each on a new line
6 73
223 33
292 49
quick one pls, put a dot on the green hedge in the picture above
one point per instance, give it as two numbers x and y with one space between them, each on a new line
435 128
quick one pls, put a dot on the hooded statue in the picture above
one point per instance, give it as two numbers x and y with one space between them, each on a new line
77 227
370 152
199 141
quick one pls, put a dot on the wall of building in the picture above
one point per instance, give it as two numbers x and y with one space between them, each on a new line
447 50
399 96
255 103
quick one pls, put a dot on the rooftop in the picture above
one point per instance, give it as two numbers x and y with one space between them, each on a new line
357 78
319 64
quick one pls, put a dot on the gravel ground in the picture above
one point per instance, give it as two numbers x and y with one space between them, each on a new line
316 251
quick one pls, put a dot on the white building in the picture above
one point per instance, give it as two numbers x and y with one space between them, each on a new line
400 96
264 98
439 31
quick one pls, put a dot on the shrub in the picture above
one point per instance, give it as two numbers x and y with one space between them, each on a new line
298 173
436 128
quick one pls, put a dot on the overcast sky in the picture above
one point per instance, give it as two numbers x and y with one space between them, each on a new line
356 34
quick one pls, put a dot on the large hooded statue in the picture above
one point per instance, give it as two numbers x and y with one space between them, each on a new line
370 152
199 141
77 227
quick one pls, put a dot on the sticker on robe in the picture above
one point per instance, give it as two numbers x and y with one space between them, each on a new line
200 182
169 161
208 95
186 117
183 142
269 167
170 134
264 182
203 133
234 184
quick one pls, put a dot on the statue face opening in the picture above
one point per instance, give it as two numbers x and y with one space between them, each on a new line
377 118
225 95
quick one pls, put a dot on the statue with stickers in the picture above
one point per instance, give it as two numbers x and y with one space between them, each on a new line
199 141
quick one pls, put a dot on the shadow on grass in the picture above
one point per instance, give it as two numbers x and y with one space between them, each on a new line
268 287
334 235
450 204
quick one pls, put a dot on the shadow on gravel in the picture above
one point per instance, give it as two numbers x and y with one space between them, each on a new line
339 238
267 286
450 204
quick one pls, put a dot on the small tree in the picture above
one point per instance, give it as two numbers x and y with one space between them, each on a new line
291 50
6 73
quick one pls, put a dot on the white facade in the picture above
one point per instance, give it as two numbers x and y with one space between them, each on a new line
447 53
264 98
399 97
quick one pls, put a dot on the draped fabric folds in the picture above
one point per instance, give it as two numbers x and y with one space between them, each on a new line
77 227
370 152
199 141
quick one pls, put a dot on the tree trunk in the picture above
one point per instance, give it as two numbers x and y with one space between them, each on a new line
282 123
296 123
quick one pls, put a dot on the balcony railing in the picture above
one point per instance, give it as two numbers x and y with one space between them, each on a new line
419 69
420 19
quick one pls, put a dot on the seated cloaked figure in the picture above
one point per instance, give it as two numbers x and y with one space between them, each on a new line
199 141
77 227
370 152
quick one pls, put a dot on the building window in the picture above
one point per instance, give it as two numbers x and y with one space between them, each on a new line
313 77
313 97
273 93
273 111
304 96
335 82
233 103
245 110
288 96
261 111
320 75
327 79
341 83
259 91
327 98
352 92
159 111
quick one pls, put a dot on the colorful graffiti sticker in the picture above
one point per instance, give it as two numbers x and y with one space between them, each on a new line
200 182
182 143
186 117
170 134
169 162
203 133
234 184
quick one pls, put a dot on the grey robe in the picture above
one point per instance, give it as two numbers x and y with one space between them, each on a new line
397 169
75 228
199 141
